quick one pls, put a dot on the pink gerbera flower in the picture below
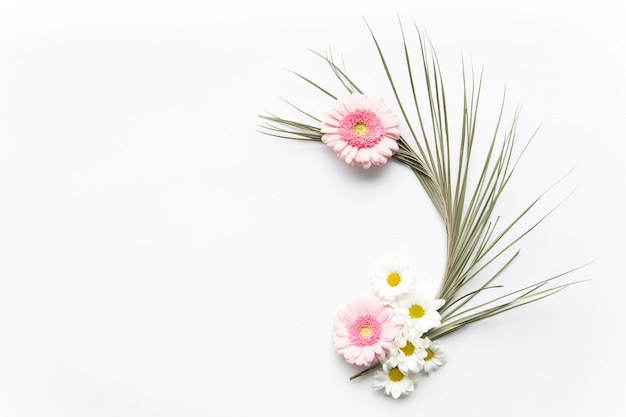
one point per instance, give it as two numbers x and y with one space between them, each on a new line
362 130
363 331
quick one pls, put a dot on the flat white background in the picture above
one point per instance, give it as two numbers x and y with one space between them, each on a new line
160 257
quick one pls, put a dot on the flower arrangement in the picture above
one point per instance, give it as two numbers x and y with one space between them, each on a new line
396 333
390 329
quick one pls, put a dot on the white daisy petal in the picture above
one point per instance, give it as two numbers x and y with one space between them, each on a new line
392 278
435 356
394 382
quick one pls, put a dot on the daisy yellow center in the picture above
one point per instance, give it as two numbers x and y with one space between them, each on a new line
408 349
365 331
416 311
396 375
393 279
429 355
360 128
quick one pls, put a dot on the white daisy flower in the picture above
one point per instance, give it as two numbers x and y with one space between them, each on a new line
435 356
394 381
392 278
408 354
417 313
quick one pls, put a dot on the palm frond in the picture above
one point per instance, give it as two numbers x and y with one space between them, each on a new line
445 165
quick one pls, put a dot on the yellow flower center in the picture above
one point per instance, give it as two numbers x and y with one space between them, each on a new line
395 375
393 279
365 331
360 128
429 355
416 311
408 349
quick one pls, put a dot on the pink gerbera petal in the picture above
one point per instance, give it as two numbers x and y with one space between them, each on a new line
366 126
364 330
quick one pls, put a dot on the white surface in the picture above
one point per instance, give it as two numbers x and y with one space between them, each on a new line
159 257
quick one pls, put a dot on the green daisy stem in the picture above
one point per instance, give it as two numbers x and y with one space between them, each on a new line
366 371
